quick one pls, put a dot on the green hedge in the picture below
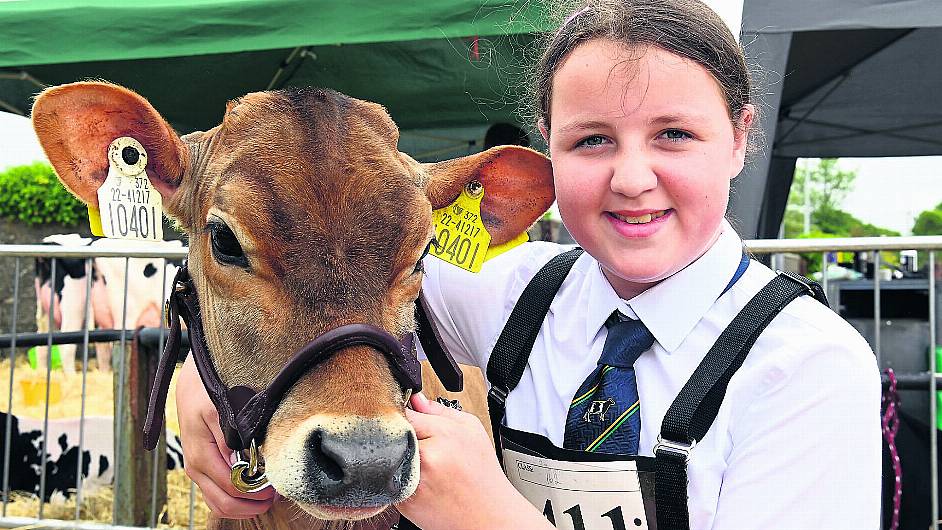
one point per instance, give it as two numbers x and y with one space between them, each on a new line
33 194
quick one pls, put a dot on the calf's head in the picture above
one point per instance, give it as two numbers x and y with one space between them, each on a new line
302 215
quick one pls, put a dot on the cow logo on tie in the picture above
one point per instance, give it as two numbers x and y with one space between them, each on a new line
598 409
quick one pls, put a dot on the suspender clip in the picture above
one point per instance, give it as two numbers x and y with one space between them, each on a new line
498 395
798 279
673 448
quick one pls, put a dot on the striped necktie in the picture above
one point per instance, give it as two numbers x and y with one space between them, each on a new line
605 414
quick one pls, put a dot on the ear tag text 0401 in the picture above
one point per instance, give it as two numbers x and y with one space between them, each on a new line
459 230
129 205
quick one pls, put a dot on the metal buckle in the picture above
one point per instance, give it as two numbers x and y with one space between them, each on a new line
248 476
498 394
676 448
796 278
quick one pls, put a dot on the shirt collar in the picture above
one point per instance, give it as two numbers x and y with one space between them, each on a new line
689 294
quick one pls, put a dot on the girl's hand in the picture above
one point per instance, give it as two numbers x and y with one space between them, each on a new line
462 484
206 457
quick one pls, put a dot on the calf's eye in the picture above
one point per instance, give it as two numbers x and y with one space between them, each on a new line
226 247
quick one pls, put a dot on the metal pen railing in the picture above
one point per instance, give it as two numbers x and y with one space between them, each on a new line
84 337
875 245
928 380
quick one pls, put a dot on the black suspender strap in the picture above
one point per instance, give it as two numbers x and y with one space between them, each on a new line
512 350
690 416
444 365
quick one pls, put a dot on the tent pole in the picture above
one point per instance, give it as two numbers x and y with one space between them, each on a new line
11 108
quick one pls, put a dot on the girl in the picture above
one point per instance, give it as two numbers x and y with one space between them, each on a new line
645 107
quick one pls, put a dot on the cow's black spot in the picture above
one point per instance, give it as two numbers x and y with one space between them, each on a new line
103 464
150 270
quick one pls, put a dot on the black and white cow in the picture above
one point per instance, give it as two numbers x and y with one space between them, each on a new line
63 454
144 293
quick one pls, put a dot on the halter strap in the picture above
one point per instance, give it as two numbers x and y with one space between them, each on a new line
244 413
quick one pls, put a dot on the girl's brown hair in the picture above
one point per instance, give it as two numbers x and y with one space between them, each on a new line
688 28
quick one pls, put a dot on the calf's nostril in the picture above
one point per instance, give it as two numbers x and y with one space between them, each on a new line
325 460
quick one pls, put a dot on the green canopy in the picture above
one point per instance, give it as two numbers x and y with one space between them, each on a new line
433 64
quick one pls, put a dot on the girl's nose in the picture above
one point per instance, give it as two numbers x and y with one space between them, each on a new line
632 173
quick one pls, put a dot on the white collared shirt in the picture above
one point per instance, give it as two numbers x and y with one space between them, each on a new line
796 443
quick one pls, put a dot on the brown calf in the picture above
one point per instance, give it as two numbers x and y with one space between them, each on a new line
302 215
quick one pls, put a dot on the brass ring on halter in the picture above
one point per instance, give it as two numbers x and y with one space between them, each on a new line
248 476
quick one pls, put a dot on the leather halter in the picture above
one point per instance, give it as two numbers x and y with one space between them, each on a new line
244 413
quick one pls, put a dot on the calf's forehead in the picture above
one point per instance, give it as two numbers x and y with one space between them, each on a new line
315 179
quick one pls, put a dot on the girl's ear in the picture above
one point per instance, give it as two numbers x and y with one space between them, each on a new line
77 122
741 129
544 131
518 187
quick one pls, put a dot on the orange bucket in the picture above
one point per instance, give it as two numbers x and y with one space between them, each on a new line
34 391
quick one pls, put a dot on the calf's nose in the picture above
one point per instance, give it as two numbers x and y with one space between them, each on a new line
360 466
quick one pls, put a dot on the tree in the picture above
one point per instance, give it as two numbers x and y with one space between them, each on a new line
929 222
829 184
826 184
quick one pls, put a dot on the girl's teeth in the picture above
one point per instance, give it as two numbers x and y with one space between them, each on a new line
646 218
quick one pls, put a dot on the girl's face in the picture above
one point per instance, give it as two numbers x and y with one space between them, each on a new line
643 152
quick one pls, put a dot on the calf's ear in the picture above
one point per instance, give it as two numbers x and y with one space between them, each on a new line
77 122
518 187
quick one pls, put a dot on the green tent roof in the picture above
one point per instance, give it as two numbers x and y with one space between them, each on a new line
435 63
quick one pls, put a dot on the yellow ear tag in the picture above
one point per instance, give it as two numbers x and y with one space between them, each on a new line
94 221
495 251
459 230
130 207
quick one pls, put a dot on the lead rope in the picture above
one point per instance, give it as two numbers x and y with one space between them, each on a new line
890 422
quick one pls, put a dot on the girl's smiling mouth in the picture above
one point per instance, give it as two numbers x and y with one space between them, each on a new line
638 224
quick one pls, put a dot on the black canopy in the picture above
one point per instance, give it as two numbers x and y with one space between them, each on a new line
836 78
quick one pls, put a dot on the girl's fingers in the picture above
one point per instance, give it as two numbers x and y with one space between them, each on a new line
206 457
422 404
430 418
225 505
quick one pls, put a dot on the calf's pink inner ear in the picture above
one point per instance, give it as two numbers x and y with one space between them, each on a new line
77 122
518 187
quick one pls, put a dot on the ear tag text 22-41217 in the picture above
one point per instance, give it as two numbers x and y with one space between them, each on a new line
129 205
459 230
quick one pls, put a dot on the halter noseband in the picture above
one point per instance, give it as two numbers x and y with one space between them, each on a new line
244 413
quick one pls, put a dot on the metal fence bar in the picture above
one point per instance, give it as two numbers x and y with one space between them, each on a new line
847 244
65 337
119 405
45 443
876 307
933 369
86 316
824 272
24 523
9 422
74 251
160 349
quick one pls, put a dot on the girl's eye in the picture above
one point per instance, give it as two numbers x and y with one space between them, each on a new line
592 141
676 135
225 245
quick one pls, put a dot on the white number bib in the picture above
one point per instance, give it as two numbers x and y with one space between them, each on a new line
579 495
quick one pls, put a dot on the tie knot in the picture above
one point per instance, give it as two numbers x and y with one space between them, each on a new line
626 341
